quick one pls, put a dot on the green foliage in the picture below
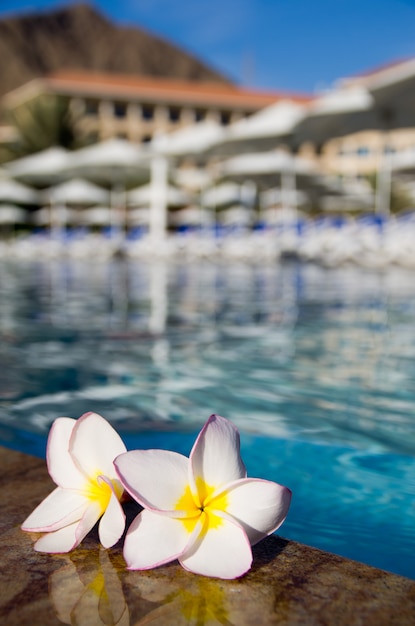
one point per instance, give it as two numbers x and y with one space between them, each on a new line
41 122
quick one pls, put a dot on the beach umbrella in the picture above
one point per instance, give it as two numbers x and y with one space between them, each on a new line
41 217
382 100
115 162
403 162
262 130
191 216
274 196
267 164
73 192
142 196
41 168
10 214
274 216
236 215
96 216
228 193
189 141
267 168
341 111
195 139
192 178
13 191
138 217
76 191
222 194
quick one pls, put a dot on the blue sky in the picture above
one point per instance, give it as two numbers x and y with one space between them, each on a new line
291 45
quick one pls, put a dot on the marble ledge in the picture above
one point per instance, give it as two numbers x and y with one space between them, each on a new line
289 583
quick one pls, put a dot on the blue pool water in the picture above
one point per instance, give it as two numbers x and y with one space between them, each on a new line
315 366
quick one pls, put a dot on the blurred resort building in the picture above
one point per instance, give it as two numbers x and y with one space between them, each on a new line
137 108
347 131
285 145
290 175
375 119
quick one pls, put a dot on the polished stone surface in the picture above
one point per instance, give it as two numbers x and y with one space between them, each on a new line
289 583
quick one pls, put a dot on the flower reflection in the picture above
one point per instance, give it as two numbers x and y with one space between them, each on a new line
204 603
89 593
197 601
87 590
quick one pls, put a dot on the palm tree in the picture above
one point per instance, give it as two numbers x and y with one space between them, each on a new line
44 121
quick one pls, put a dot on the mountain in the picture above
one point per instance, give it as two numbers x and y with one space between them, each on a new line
79 37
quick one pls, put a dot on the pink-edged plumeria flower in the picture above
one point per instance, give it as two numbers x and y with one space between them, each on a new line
203 511
80 456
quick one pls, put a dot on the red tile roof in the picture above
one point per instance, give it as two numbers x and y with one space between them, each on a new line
156 89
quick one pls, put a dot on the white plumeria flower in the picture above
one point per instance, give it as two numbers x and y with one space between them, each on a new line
201 510
80 456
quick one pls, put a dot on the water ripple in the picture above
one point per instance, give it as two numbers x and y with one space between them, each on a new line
315 366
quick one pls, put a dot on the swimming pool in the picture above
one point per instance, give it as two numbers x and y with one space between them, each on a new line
315 366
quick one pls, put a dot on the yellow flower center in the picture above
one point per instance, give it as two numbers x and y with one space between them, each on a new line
99 491
201 504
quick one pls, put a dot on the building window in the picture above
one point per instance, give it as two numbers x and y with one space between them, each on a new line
174 114
199 115
91 107
389 150
363 151
147 112
225 118
120 109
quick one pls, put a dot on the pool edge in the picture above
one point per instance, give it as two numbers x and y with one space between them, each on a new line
289 583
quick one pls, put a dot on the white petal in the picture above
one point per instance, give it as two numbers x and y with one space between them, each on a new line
62 468
157 479
88 521
62 540
94 444
68 538
153 540
221 552
259 506
58 509
215 457
112 523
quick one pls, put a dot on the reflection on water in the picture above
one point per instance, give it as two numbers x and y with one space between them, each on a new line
90 589
196 600
315 366
289 351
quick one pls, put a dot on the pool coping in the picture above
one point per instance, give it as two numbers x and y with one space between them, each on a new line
289 583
